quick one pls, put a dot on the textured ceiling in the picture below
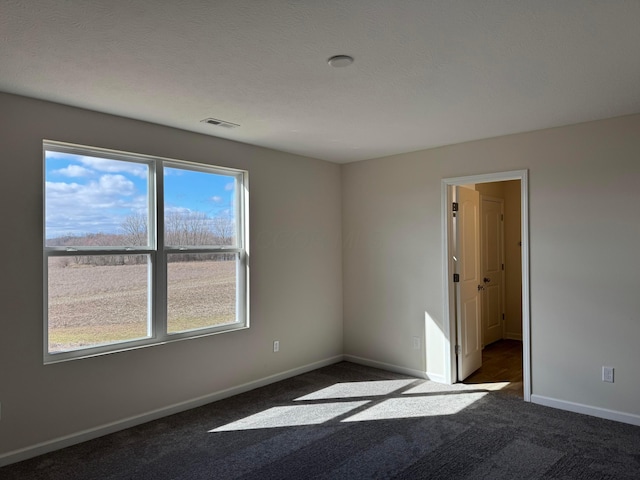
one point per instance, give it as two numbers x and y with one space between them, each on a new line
426 73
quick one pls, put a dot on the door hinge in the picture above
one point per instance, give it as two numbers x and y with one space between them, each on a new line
502 217
503 266
454 207
456 278
503 316
457 349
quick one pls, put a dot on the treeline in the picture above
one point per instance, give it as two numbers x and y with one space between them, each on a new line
182 229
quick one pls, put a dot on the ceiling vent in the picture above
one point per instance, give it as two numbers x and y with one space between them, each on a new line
219 123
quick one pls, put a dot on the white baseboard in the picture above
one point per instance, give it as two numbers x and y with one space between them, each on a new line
623 417
386 366
89 434
438 378
513 336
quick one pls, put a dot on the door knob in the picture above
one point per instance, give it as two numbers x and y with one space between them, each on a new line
486 280
480 287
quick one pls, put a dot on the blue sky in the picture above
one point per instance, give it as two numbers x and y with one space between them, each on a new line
94 195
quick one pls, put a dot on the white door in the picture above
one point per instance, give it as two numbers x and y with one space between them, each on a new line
492 248
469 285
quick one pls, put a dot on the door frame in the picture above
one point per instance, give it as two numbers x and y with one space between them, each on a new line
449 320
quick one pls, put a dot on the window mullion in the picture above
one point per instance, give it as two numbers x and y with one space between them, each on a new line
75 251
160 266
202 250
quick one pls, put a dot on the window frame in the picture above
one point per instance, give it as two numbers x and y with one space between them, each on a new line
156 250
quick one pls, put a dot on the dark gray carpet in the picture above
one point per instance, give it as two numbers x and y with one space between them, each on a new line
347 421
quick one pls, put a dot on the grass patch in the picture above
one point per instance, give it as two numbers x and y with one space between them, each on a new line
184 324
64 338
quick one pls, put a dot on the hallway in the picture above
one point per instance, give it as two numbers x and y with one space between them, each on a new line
501 362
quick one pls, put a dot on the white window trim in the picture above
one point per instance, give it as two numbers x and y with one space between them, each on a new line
157 251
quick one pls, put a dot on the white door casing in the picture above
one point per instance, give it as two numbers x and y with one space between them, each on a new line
492 261
448 267
469 309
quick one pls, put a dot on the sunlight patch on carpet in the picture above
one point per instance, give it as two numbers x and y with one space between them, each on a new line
358 389
434 387
412 407
291 416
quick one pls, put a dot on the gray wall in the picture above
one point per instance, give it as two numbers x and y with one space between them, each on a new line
296 290
584 260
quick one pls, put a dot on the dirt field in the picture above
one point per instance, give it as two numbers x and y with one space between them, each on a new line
90 305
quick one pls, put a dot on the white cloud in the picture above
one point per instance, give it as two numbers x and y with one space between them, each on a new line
230 186
74 171
173 209
114 166
98 206
115 185
217 198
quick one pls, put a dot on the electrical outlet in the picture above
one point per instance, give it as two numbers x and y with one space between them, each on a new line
607 374
416 343
276 346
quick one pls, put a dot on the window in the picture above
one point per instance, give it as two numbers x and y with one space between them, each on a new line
139 250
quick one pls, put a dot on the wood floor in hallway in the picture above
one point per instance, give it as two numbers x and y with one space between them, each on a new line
501 363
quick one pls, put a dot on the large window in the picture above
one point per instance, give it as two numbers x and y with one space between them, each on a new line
139 250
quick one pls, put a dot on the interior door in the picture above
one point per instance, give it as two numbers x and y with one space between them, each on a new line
492 248
470 282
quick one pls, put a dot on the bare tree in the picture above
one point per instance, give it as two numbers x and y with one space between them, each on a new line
185 228
182 228
135 229
223 228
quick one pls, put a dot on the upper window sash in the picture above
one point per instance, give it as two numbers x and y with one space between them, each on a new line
121 176
219 228
230 227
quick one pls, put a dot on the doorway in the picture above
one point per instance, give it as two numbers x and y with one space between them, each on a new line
466 336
